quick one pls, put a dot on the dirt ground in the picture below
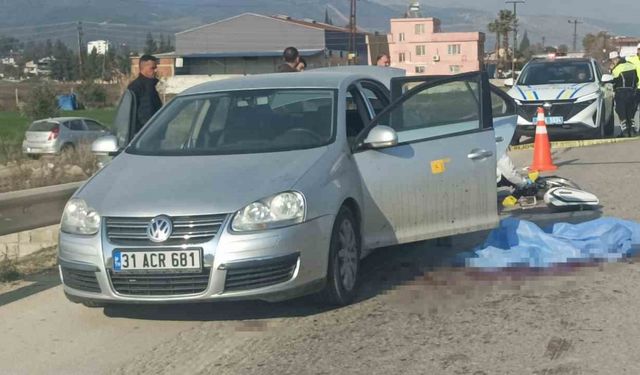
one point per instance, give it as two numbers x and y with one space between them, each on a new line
414 315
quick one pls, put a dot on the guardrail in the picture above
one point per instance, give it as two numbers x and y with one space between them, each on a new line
34 208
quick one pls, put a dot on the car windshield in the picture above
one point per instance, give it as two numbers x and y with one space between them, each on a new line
241 122
554 72
42 126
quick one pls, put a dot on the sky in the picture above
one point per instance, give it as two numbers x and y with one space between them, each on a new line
611 10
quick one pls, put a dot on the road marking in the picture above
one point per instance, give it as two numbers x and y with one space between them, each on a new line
578 143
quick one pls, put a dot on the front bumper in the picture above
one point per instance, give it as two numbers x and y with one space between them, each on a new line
564 130
228 260
581 119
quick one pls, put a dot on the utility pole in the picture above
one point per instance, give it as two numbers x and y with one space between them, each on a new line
575 34
80 34
353 30
515 34
544 42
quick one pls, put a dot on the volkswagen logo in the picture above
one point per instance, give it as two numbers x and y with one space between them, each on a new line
159 229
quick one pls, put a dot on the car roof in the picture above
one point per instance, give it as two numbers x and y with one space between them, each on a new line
63 119
560 59
321 79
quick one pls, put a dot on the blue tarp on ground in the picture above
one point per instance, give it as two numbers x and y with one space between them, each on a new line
518 243
67 102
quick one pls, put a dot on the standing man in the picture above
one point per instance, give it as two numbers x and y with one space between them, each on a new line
291 58
635 60
625 84
144 89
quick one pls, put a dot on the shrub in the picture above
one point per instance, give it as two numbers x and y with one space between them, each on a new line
41 103
92 95
8 268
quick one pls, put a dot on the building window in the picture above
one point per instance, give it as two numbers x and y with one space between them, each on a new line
455 68
401 57
419 29
454 49
401 37
420 69
421 50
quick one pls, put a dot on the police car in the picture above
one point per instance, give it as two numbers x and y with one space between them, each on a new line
577 97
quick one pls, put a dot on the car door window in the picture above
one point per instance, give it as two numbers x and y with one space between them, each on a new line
376 98
503 108
501 104
356 115
441 110
76 125
93 126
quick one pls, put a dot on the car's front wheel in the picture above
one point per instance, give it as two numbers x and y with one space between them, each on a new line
344 260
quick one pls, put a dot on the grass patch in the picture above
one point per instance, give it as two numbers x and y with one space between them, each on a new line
13 268
13 125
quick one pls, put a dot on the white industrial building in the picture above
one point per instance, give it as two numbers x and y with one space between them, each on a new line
101 47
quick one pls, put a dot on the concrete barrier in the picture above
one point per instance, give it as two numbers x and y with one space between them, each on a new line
34 208
20 244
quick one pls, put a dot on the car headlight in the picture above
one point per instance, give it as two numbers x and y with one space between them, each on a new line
591 97
79 218
277 211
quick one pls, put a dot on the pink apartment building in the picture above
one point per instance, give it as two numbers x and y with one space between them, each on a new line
418 46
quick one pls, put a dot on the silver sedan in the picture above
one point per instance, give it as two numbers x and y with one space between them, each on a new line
275 186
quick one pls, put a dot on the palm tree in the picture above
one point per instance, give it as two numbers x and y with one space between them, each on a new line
494 27
506 22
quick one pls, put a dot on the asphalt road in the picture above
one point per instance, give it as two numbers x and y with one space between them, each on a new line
415 315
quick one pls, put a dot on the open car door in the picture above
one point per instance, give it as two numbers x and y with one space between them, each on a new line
125 119
439 178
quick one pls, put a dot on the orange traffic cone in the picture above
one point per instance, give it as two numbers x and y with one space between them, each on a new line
542 148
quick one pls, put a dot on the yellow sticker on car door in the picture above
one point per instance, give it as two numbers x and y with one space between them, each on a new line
439 166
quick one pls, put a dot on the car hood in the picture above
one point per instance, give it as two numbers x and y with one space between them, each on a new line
145 186
553 92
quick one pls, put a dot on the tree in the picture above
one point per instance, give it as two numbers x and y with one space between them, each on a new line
150 45
506 22
598 45
93 65
122 60
169 46
494 27
65 64
92 95
8 44
327 19
563 49
41 103
525 44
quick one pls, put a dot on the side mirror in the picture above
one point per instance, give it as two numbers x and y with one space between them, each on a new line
107 145
509 82
381 136
607 78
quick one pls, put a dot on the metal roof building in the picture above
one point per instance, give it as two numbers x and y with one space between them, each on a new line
251 43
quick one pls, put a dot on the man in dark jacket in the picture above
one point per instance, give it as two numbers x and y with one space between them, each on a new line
291 58
144 88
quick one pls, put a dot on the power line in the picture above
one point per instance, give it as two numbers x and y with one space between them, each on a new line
515 34
575 33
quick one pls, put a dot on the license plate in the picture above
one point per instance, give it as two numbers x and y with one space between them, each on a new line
164 260
551 120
